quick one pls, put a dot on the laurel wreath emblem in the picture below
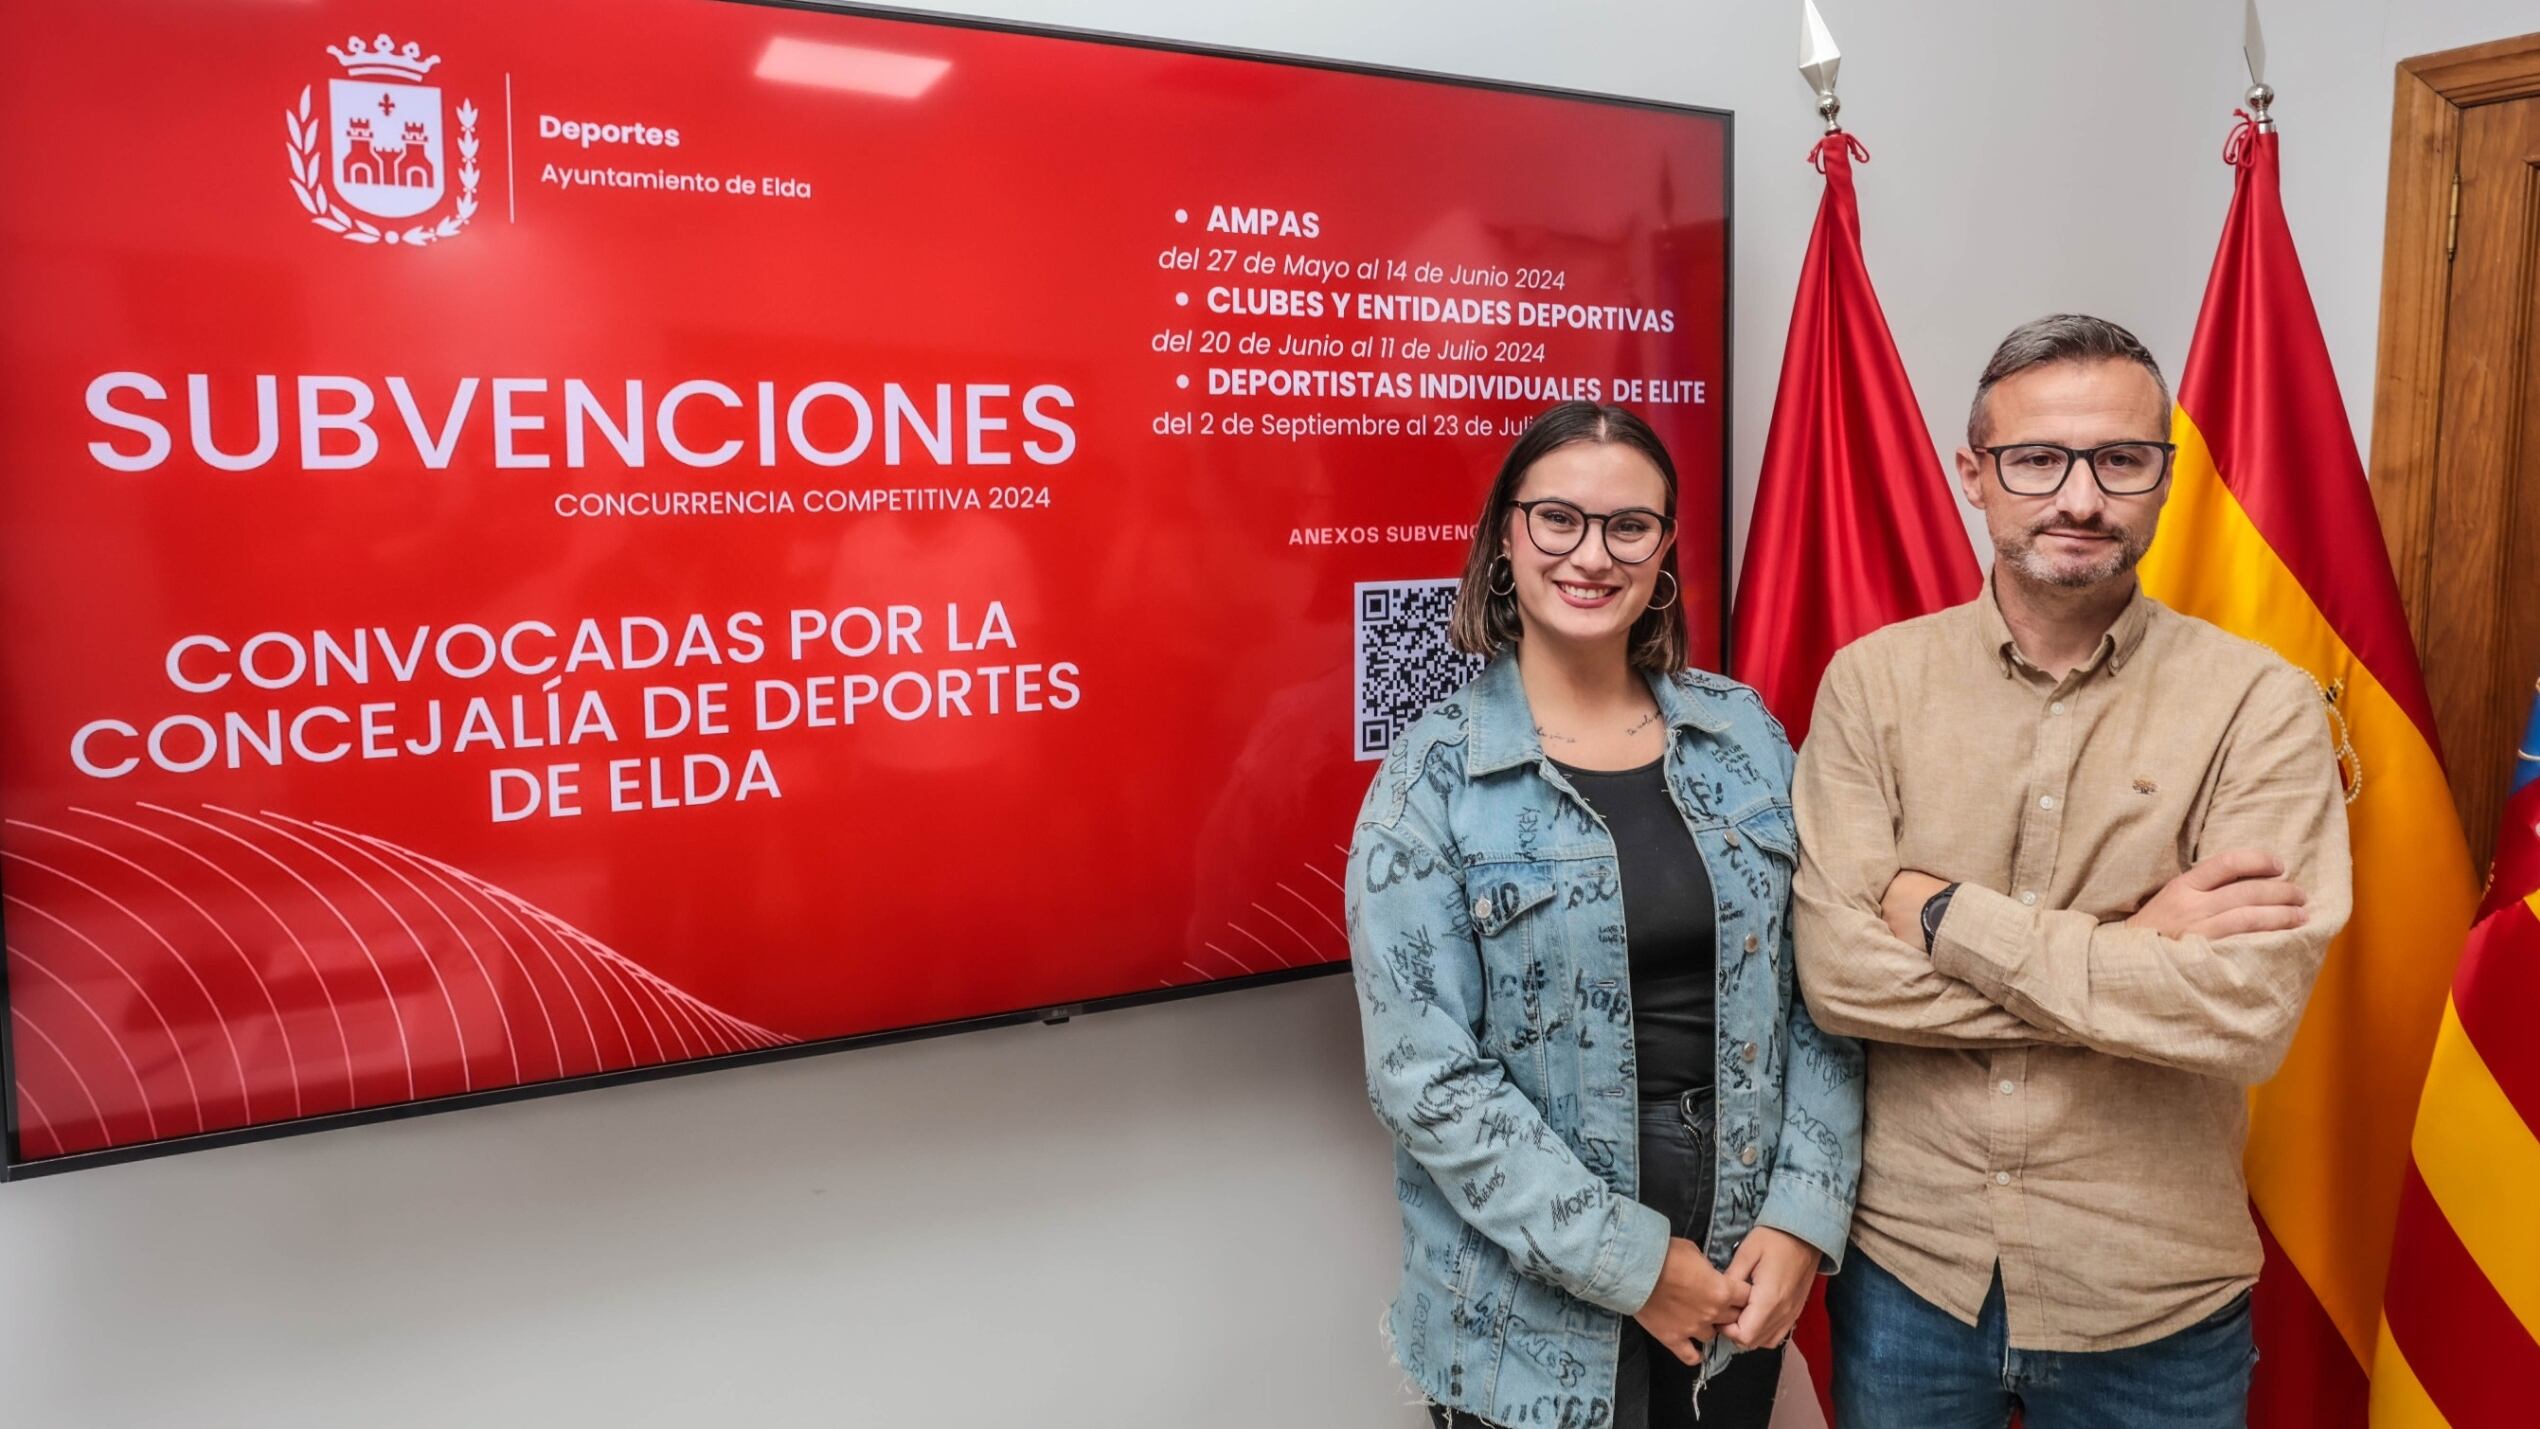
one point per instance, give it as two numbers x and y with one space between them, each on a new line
2350 763
326 213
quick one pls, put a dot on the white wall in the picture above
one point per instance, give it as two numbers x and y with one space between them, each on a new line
1176 1215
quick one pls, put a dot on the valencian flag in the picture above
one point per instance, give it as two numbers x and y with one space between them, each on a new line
1854 525
2270 534
1854 522
2460 1338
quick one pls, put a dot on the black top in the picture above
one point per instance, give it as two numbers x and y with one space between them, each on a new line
1669 927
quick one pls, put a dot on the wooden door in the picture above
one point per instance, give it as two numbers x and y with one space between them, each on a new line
2456 437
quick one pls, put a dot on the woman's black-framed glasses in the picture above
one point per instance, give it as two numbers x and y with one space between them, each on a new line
2120 468
1632 535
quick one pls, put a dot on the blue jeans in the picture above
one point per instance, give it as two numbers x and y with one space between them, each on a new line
1901 1362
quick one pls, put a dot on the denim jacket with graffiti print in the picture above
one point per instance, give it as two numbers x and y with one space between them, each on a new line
1487 940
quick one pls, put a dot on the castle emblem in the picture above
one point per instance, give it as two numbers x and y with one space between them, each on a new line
387 156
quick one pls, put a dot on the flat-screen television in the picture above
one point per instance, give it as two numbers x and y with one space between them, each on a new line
546 544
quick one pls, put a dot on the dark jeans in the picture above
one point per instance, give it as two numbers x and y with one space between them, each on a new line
1901 1362
1652 1388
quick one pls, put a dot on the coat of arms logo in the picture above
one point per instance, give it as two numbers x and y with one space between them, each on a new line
381 151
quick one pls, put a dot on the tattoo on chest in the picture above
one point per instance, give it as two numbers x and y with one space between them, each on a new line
1644 722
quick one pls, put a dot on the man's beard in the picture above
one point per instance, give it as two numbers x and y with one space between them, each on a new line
2021 551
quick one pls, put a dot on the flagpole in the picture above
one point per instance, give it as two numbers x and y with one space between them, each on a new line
1818 60
2253 48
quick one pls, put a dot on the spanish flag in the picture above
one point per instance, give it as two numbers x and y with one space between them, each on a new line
2270 534
2460 1336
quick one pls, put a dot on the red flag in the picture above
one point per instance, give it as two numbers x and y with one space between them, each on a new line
1853 527
2270 534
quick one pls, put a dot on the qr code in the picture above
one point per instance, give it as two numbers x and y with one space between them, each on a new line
1404 661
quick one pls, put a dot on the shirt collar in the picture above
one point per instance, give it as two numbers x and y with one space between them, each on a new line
2115 649
1503 724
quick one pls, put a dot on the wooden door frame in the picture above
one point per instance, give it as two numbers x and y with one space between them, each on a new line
2416 272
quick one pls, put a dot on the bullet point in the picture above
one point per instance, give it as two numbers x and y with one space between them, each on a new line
1182 381
1181 215
1181 300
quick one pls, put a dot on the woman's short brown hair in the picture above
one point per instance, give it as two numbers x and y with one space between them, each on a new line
1486 622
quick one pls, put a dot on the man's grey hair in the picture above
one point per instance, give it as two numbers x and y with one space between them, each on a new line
2063 337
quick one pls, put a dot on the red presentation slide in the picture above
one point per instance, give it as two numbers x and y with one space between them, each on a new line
546 542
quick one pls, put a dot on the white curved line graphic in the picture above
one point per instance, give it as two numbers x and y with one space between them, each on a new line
609 957
612 990
1256 939
601 988
1327 878
387 994
1239 963
1311 950
539 939
140 1089
1317 910
287 931
511 1039
651 1011
699 1029
712 1022
184 1064
35 1115
423 954
563 934
625 992
675 1003
706 1038
237 1062
555 1040
661 988
639 988
201 912
104 1136
669 1019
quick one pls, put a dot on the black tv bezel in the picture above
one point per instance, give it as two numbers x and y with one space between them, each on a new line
15 1168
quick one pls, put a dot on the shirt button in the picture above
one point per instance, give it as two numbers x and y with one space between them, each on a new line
2046 801
2029 898
1481 908
1747 1051
2001 1178
2009 1087
1731 836
1752 943
2055 708
1746 1155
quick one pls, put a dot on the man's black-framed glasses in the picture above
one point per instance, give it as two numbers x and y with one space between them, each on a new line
2120 468
1632 535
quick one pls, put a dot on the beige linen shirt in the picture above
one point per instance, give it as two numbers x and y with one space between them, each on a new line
2051 1091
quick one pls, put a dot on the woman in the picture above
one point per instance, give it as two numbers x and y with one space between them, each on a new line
1624 1151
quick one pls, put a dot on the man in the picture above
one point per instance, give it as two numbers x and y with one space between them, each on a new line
2070 861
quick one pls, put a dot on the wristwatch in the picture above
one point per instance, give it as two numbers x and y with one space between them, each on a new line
1935 908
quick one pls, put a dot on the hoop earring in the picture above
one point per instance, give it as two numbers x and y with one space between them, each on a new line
1497 565
1675 592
